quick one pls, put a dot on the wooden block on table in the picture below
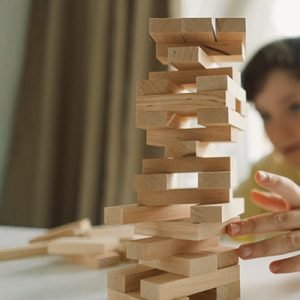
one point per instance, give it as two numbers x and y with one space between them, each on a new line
187 78
184 196
220 116
104 231
186 103
224 292
161 137
185 58
231 29
30 250
191 264
217 212
158 247
71 229
181 229
159 119
128 279
197 30
96 261
220 82
216 51
187 164
167 286
133 213
82 246
156 87
166 30
215 180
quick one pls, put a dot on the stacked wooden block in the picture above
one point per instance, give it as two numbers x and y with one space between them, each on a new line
184 200
79 243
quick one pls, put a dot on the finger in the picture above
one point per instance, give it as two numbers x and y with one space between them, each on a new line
287 265
268 201
278 221
280 185
281 244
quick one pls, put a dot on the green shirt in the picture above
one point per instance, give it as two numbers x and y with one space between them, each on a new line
273 163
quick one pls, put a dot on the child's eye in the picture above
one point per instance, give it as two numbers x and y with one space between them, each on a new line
294 107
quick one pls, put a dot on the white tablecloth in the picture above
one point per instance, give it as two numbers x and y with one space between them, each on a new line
46 278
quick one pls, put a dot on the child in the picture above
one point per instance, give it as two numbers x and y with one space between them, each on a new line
272 82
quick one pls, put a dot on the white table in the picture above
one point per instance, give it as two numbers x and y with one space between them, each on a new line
51 278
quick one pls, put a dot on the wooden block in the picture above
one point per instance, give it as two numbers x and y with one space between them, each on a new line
115 295
152 182
241 107
71 229
133 213
184 196
185 104
197 30
187 78
220 82
215 180
167 286
220 116
224 292
181 149
156 87
187 164
96 261
217 51
181 229
196 263
219 213
104 231
189 265
30 250
159 119
226 256
166 30
231 29
161 137
159 247
81 246
128 279
186 58
184 149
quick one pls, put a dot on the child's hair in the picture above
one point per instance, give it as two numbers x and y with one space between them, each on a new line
282 55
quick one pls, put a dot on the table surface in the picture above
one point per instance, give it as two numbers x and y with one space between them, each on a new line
52 278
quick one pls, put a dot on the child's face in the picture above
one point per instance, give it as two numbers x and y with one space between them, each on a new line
279 106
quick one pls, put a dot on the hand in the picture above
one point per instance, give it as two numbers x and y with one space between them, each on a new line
284 199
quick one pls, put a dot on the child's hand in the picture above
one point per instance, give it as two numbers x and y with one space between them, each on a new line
284 199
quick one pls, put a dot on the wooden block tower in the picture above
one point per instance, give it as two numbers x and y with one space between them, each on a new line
184 199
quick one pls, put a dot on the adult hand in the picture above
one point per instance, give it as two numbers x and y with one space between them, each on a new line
284 200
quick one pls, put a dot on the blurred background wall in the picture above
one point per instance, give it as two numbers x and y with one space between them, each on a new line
69 146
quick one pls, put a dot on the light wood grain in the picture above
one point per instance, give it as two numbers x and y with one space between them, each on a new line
168 286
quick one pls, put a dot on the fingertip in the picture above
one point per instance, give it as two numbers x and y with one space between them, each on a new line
233 229
262 176
274 267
